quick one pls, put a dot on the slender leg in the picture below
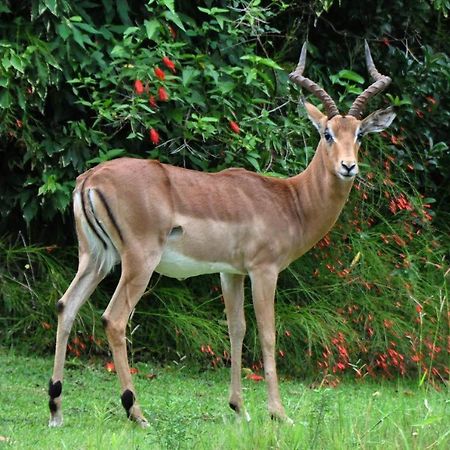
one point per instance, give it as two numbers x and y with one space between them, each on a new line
233 294
82 286
264 281
136 272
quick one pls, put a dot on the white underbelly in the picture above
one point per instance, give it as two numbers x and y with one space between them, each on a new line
176 265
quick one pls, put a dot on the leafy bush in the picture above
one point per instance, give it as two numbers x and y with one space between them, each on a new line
193 85
205 86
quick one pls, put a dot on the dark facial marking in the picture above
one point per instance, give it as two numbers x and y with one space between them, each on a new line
104 321
127 401
327 135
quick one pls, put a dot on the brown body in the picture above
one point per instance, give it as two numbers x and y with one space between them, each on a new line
153 217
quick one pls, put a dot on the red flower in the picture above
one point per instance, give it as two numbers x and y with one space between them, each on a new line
162 94
396 140
234 127
110 367
254 377
159 73
154 136
169 64
133 370
419 113
152 101
418 309
138 87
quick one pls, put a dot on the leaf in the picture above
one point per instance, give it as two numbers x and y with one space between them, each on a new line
122 10
130 30
78 37
350 75
108 155
88 28
5 99
264 61
226 86
250 75
173 17
63 30
213 11
169 4
29 211
188 75
151 28
51 5
17 63
254 162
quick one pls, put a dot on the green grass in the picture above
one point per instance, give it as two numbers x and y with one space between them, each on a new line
188 409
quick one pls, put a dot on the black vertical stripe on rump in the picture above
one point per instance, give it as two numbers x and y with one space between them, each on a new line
88 220
96 219
110 214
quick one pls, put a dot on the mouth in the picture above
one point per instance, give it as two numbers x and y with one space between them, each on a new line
346 176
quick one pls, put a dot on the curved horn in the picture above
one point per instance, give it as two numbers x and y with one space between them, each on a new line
297 77
381 82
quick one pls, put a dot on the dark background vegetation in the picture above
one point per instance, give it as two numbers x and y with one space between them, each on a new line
370 299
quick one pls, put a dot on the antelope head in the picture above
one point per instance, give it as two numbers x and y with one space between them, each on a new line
341 134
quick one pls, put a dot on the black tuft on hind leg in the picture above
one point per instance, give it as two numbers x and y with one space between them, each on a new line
127 401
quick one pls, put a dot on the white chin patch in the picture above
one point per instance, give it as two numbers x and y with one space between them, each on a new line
346 177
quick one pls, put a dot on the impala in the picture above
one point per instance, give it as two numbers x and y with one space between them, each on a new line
153 217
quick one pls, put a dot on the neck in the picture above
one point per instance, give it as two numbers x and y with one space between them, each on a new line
320 197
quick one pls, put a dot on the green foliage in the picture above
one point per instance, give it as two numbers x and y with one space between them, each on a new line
62 111
204 86
32 279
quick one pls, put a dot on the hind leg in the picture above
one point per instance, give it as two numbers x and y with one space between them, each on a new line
137 269
82 286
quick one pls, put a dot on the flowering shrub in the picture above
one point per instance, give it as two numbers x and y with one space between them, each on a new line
203 87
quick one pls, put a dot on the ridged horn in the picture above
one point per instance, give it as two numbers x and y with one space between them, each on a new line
297 77
381 82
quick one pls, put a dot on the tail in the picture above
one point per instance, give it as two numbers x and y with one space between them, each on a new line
98 226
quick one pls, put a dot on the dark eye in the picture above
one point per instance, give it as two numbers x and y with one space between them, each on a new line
328 137
360 135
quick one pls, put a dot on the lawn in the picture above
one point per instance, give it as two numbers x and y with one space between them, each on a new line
187 409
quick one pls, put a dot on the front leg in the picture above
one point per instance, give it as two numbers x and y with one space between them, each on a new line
264 282
233 295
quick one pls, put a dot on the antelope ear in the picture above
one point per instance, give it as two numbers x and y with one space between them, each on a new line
377 121
316 116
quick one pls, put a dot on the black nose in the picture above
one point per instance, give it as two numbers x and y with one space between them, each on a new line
348 165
